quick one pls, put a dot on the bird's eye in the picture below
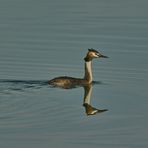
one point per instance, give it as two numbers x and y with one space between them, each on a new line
97 54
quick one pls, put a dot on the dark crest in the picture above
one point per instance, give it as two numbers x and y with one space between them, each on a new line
93 50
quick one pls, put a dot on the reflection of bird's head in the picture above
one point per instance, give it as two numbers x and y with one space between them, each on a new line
91 110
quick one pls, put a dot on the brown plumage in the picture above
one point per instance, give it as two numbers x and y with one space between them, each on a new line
68 82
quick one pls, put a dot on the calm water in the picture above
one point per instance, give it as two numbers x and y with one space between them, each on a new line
42 39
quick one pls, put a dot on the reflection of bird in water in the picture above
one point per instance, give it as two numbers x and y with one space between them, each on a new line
90 110
69 82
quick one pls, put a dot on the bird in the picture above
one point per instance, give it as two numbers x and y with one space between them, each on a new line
69 82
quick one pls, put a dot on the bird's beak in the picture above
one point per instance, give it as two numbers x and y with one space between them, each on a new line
102 56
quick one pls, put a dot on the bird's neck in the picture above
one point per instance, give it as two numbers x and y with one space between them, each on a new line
88 71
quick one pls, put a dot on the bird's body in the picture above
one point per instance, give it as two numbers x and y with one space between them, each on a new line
67 82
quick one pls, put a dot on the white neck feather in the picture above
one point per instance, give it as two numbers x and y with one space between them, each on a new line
88 71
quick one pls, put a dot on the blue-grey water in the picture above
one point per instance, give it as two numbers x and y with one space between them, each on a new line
46 38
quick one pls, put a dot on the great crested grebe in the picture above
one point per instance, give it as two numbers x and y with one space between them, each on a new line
67 82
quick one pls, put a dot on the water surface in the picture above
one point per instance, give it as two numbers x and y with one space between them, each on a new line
43 39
